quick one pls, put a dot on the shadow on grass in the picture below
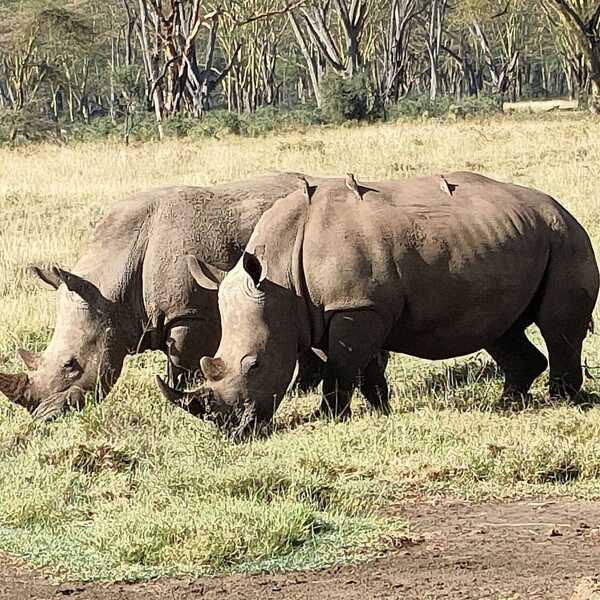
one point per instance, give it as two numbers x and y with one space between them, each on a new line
460 375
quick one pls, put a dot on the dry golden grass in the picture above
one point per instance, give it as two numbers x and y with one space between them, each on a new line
133 488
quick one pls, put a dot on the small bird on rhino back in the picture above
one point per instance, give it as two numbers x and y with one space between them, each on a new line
353 186
446 187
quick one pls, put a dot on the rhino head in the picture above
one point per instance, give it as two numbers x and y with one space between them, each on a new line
83 356
259 345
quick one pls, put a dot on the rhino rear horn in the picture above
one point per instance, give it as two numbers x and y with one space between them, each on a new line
205 275
14 386
213 368
32 360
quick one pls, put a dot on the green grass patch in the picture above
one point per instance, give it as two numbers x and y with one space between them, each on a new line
132 488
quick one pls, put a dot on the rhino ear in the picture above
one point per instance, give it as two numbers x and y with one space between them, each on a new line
55 276
85 289
205 275
255 268
46 275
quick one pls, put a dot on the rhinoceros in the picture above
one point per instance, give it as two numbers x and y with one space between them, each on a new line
416 267
132 290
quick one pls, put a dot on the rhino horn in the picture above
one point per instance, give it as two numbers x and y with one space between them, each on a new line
14 386
199 403
213 368
32 360
196 403
172 395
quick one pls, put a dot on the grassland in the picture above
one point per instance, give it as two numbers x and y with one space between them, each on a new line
131 488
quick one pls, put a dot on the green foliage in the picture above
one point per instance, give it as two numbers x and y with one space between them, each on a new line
25 126
344 99
423 106
127 79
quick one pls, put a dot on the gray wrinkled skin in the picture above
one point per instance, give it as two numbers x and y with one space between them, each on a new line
405 267
132 291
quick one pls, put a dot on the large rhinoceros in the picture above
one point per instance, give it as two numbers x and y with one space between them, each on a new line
132 290
434 268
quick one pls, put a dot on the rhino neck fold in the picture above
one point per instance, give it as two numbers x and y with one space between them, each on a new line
308 321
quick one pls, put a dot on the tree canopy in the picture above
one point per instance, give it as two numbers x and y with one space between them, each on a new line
74 59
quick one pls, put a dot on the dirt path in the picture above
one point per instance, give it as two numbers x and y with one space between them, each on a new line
517 550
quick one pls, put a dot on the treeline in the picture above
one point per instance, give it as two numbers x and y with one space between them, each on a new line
67 61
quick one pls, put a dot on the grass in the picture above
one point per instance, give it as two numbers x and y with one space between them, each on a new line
132 488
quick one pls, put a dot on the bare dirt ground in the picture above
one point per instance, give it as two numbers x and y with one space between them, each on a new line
513 550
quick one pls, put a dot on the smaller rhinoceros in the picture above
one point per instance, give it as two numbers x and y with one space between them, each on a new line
131 291
402 266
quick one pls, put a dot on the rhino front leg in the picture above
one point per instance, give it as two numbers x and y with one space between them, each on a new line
185 346
354 339
373 383
311 371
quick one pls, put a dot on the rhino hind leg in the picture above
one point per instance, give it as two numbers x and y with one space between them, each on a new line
565 313
520 361
564 341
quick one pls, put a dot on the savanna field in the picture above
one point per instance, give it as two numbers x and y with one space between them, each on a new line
132 488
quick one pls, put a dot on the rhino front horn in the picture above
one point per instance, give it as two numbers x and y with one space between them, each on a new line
198 403
174 396
14 386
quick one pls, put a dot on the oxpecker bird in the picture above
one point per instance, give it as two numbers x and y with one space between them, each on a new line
352 185
445 186
308 192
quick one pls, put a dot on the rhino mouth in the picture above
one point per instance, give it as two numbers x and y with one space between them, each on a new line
17 388
57 404
237 421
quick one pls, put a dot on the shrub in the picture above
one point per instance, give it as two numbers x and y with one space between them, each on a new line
344 99
423 106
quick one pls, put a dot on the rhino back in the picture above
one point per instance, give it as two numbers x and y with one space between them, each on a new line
437 267
213 224
118 243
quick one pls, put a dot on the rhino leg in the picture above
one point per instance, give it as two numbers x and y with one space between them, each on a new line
311 370
373 383
184 352
564 341
354 339
565 313
520 360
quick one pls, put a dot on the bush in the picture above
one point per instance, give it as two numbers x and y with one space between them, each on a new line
344 99
19 127
423 106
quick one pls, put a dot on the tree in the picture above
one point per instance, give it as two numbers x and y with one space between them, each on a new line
395 30
330 33
581 18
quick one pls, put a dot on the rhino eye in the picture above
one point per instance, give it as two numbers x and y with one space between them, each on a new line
71 365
